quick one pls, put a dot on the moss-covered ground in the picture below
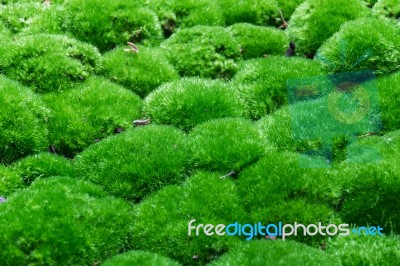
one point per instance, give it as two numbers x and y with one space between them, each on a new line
123 121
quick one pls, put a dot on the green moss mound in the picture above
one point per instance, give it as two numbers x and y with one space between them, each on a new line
104 24
262 83
226 144
232 130
33 17
191 13
18 16
10 181
373 149
307 135
278 189
277 129
23 122
142 72
107 23
265 253
258 41
42 165
204 197
314 21
367 43
279 177
250 11
4 31
174 14
366 250
49 19
84 115
389 101
371 184
371 194
212 51
139 258
190 101
387 8
75 223
136 162
48 63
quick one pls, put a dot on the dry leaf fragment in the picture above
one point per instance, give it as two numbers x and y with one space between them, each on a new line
133 48
141 122
230 174
284 23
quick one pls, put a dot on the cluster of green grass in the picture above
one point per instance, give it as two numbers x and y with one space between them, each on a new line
188 102
136 162
42 165
142 72
364 250
226 144
10 181
175 14
366 43
48 63
314 21
139 258
371 195
4 31
122 121
261 252
387 8
19 15
104 24
204 197
262 83
289 193
370 182
212 51
88 113
82 221
23 121
258 41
